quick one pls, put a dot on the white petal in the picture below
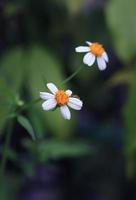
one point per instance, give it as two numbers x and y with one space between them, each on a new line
105 56
89 59
65 112
101 63
52 87
75 103
46 95
89 43
69 92
49 104
82 49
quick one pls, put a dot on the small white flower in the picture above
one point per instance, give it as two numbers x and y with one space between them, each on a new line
60 98
94 51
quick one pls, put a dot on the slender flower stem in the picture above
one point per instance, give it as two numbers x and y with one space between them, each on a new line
29 104
5 150
72 75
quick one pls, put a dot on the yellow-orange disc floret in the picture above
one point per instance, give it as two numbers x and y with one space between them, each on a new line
61 97
97 49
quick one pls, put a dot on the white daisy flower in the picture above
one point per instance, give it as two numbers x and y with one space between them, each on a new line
94 51
60 98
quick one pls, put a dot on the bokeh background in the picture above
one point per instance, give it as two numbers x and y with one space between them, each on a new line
92 156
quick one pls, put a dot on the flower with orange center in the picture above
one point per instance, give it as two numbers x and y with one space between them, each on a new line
94 51
60 98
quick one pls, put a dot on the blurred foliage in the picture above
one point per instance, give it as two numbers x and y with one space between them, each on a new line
11 76
10 184
56 149
27 125
72 6
121 77
130 123
121 19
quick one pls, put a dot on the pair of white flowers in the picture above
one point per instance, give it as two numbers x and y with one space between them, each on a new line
64 99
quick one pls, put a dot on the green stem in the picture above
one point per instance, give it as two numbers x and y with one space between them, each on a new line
5 150
31 103
72 75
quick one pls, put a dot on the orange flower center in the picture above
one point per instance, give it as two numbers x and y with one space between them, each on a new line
61 97
97 49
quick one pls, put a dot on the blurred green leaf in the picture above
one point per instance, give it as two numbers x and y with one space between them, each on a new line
37 122
11 77
10 187
58 149
11 9
130 117
42 67
121 18
72 6
23 121
119 78
55 149
12 68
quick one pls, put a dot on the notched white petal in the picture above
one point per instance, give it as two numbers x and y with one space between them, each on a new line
75 103
49 104
69 92
65 112
89 43
81 49
52 87
46 95
89 59
101 63
105 56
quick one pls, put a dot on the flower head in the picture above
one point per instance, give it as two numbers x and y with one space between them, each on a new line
94 51
60 98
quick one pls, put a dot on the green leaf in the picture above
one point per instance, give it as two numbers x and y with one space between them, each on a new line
129 113
11 77
10 187
37 122
57 149
23 121
73 6
120 77
130 117
121 20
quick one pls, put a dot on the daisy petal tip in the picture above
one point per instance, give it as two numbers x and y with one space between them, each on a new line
49 104
75 103
69 92
77 49
65 112
105 57
89 43
89 59
101 63
52 87
82 49
46 95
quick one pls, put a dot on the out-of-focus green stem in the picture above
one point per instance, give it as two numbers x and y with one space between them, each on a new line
29 104
6 149
72 75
